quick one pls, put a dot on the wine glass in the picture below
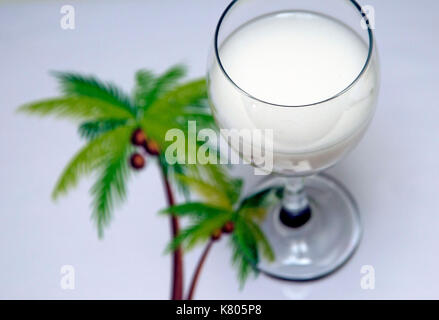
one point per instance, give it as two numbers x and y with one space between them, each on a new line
308 71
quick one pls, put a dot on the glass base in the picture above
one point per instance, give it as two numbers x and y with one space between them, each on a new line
324 243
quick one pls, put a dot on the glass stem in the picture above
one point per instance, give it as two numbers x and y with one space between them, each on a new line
296 211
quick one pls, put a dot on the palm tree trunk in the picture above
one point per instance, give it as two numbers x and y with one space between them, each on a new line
177 272
197 272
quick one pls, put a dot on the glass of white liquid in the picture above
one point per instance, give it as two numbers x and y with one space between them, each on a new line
306 70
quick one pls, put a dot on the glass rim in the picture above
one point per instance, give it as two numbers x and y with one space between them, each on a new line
363 70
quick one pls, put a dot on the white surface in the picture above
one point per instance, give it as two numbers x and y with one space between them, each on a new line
393 173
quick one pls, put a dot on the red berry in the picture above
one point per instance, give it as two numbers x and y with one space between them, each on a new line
152 148
138 137
228 227
216 235
137 161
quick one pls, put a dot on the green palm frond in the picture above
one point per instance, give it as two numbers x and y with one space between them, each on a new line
262 199
195 210
173 103
89 86
92 129
234 189
90 157
200 231
166 82
218 177
208 191
247 241
144 82
149 88
254 213
211 183
174 109
243 267
256 206
77 108
263 245
110 188
184 235
245 254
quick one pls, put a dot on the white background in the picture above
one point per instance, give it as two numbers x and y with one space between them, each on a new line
393 173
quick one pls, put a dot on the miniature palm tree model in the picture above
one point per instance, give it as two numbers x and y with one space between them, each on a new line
123 132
